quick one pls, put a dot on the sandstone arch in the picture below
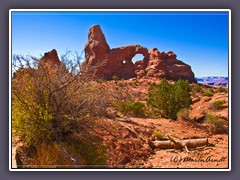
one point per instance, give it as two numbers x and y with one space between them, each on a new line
118 61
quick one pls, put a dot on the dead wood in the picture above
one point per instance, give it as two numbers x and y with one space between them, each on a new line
179 144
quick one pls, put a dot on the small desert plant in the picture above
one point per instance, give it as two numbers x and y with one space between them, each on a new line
101 80
208 94
221 89
121 84
217 105
174 135
183 114
217 123
129 107
211 90
134 84
115 78
159 135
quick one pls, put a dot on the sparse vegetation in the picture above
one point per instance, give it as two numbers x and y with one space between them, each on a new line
166 99
115 78
221 89
196 88
121 84
183 114
159 135
217 105
134 84
208 93
50 105
174 135
68 155
217 123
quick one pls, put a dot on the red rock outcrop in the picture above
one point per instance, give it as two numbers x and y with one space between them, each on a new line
51 58
96 46
118 61
166 65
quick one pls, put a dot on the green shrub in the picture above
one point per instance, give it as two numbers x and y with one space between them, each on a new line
166 99
129 107
217 123
208 94
217 105
139 109
159 135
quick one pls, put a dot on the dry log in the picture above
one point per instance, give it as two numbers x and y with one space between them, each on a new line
179 144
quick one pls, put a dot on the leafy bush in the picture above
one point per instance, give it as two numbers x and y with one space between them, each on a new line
166 99
159 135
217 105
208 94
217 123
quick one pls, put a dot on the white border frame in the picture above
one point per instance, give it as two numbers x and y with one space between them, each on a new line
118 10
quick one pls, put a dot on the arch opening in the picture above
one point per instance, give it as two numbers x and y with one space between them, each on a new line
137 57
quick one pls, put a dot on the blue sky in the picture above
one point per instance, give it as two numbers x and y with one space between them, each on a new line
199 39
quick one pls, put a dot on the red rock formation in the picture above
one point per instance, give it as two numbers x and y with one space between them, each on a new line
96 46
51 58
166 65
118 61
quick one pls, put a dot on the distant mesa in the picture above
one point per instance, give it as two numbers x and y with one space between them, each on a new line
213 80
118 61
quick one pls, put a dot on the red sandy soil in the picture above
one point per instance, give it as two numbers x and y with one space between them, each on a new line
215 155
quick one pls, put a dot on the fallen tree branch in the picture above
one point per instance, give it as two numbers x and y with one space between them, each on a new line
130 130
179 144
